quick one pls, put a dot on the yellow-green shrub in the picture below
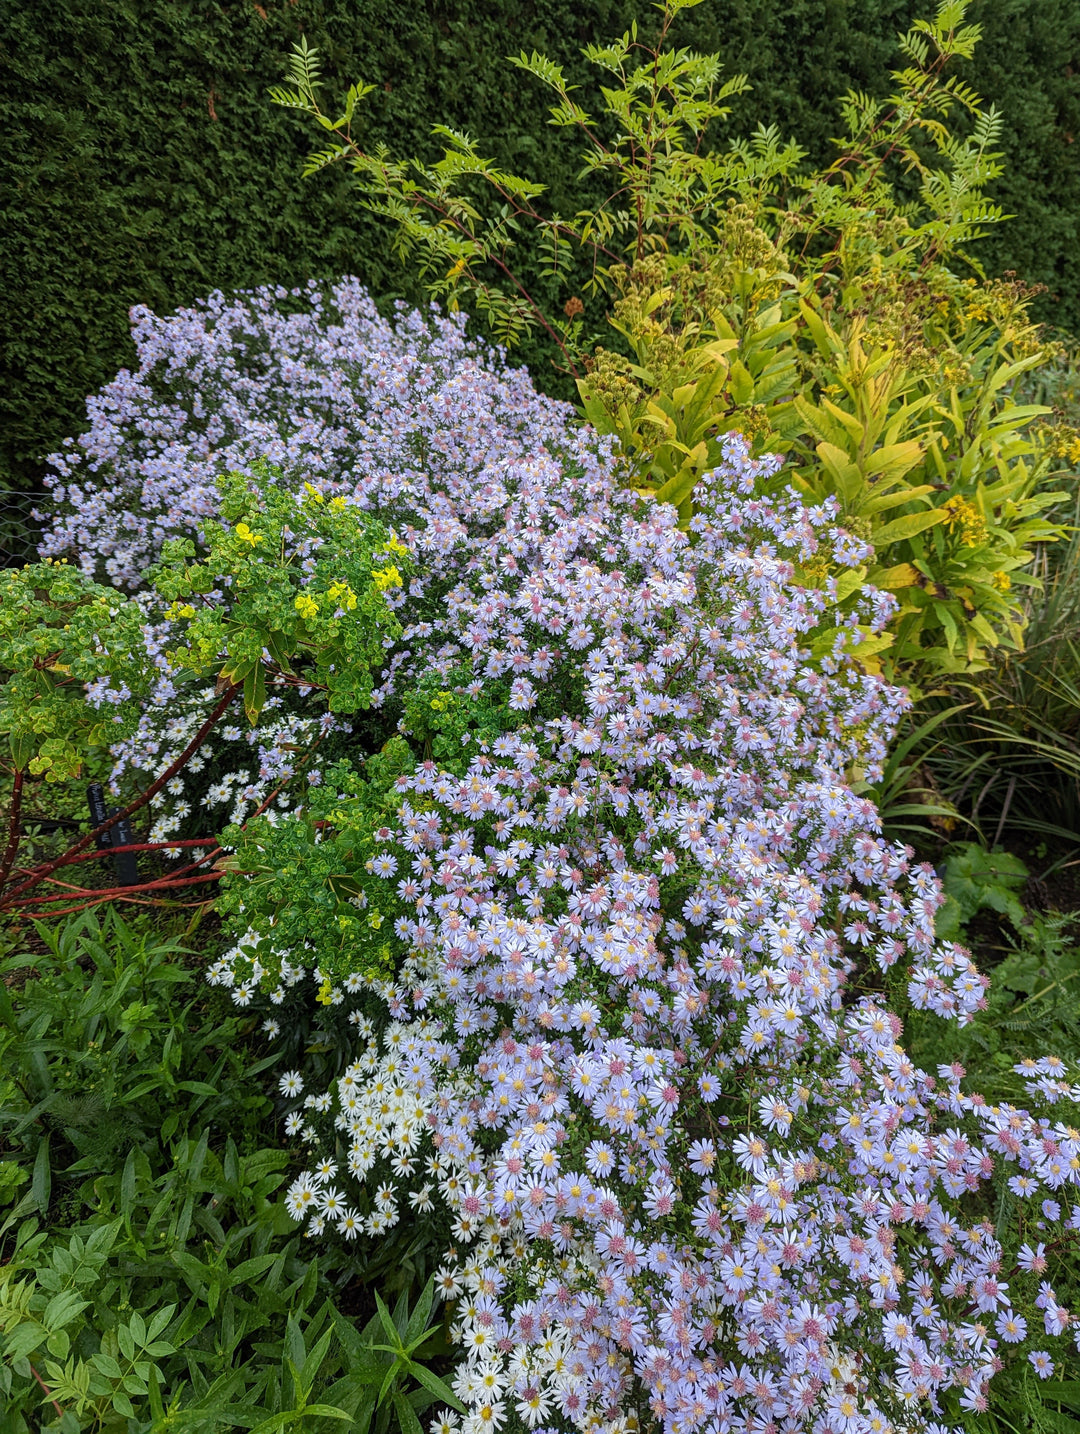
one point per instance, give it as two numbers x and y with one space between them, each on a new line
820 313
889 392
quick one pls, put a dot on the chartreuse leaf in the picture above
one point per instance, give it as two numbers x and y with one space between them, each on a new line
907 527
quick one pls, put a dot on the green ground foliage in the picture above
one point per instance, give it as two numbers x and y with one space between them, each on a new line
144 163
150 1277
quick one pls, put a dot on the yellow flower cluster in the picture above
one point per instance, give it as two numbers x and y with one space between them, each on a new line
965 518
306 606
386 577
1063 442
244 533
343 595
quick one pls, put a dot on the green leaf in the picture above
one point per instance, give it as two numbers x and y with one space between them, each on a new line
127 1185
893 461
41 1184
903 575
157 1409
848 582
846 477
678 488
23 745
278 649
742 384
23 1340
254 692
387 1323
314 1361
392 1374
62 1309
126 1341
907 527
408 1423
435 1385
248 1270
419 1316
122 1404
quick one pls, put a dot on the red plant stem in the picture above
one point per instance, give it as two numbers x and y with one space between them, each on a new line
96 894
47 1390
70 889
131 900
137 846
13 826
72 853
169 882
217 850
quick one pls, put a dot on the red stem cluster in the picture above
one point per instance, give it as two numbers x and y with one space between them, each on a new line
24 901
23 898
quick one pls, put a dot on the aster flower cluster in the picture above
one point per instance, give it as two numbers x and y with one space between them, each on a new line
265 758
696 1182
636 1049
330 393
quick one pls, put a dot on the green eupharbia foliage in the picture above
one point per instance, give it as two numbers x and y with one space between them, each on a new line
306 880
446 718
148 1270
64 638
321 617
816 312
60 632
291 595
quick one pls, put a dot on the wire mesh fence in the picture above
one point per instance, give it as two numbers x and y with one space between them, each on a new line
19 529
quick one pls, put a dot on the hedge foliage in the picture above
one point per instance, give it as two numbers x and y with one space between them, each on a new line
144 163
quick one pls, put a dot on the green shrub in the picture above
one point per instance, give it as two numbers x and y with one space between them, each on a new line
818 312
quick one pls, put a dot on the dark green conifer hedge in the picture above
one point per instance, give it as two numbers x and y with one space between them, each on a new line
143 162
